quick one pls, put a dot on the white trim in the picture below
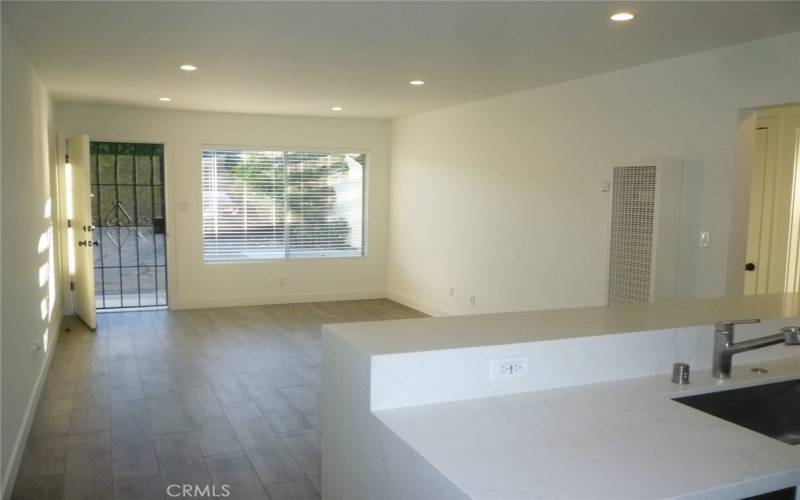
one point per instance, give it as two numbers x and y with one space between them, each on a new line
10 474
286 298
419 305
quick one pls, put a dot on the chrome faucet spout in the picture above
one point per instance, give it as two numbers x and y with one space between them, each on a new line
725 347
749 345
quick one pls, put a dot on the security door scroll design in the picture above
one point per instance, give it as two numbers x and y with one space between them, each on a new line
128 210
112 217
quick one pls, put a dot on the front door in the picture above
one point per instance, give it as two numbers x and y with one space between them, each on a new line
81 233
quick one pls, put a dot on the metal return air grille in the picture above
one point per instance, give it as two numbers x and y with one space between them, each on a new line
632 232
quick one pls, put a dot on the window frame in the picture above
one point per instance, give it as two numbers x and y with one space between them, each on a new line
288 257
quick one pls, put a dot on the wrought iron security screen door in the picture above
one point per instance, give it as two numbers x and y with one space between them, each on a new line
130 262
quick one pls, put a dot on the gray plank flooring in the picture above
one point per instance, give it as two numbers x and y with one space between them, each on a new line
203 397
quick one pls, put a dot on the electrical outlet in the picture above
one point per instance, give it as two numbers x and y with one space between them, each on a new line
282 281
452 291
705 239
513 367
37 349
473 301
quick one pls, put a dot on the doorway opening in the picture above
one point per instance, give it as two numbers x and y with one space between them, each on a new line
773 236
130 254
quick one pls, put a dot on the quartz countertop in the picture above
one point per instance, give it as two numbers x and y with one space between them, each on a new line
619 440
427 334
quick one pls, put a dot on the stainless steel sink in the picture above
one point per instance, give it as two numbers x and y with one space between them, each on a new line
770 409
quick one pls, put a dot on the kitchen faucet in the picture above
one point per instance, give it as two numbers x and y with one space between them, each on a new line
725 347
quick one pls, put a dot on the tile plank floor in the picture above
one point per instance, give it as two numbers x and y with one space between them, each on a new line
207 397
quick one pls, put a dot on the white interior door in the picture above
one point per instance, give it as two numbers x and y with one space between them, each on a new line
81 237
773 238
760 225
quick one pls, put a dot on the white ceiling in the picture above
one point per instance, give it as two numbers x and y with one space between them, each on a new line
301 58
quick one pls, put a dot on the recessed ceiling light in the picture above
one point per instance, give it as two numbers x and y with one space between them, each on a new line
337 108
622 16
165 99
417 83
188 67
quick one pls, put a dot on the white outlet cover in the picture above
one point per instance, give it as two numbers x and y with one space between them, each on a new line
511 367
705 239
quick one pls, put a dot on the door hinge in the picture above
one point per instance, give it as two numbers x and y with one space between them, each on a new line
72 285
69 222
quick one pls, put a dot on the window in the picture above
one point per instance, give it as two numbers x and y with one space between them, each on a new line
260 205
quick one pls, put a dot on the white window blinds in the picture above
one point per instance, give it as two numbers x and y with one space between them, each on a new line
278 205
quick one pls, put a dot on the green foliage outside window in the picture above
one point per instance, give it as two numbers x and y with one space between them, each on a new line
299 182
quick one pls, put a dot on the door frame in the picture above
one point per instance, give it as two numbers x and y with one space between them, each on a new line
749 121
169 212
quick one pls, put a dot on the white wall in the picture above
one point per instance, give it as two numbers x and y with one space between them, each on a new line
31 304
502 198
195 284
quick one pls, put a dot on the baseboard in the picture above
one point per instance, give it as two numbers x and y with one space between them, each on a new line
10 474
288 298
417 304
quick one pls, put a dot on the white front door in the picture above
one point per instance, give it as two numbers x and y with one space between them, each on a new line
81 237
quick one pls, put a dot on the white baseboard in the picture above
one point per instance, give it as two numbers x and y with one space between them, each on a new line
417 304
10 474
289 298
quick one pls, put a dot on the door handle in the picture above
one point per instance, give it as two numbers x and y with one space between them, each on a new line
750 266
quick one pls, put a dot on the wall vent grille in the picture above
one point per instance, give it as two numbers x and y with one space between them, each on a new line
633 211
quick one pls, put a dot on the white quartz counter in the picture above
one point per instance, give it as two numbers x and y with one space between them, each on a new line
618 440
454 332
411 408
